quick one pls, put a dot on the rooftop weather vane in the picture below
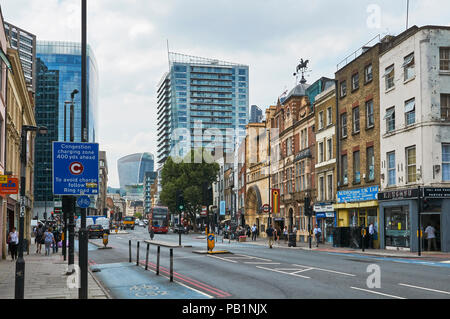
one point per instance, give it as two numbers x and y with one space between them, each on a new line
302 67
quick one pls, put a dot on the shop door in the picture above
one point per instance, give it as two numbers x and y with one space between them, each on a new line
433 219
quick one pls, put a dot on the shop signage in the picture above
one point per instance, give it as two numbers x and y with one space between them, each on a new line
357 195
303 154
204 212
222 207
323 208
275 201
436 192
10 187
324 215
399 194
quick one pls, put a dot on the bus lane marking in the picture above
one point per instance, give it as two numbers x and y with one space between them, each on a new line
282 272
378 293
327 270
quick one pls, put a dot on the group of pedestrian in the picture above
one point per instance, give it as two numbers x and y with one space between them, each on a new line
48 237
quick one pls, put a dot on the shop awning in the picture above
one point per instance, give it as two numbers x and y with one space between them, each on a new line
5 59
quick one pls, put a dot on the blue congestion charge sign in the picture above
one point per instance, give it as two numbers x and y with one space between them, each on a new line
75 168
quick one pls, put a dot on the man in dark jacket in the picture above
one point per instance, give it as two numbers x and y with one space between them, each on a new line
269 233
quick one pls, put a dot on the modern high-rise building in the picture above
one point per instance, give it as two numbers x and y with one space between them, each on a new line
25 43
58 74
199 94
255 114
132 169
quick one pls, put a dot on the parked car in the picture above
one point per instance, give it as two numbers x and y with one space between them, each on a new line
141 223
104 222
95 231
180 229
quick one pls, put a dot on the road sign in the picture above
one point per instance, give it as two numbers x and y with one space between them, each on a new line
83 201
211 242
10 187
204 212
75 168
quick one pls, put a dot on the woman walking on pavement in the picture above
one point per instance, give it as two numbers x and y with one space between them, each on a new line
13 240
39 238
49 239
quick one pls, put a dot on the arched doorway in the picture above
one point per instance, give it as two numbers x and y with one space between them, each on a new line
253 205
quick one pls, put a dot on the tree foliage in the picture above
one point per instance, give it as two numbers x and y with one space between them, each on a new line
188 177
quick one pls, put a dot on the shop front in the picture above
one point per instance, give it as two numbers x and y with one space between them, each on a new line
326 220
358 208
399 211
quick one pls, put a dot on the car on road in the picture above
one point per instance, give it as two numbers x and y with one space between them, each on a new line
95 231
180 229
141 223
146 221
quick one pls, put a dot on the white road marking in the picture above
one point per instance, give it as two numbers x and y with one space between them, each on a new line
231 261
333 271
200 292
260 262
429 289
302 270
282 272
252 257
378 293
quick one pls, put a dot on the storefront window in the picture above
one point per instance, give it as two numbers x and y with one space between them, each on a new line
352 217
397 225
372 217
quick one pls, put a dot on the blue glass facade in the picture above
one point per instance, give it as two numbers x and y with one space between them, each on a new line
212 92
132 169
66 58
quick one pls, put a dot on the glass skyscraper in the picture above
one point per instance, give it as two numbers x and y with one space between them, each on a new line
199 94
132 169
58 73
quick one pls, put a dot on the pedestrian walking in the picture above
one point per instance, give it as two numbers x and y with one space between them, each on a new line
431 236
371 235
270 233
49 239
275 235
56 235
317 234
285 234
249 232
254 232
39 238
13 242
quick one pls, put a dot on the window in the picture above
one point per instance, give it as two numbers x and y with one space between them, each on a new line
304 139
390 119
329 116
370 121
344 125
356 119
330 187
445 107
329 149
321 189
408 67
370 164
356 168
391 168
410 113
344 172
1 77
320 120
411 163
320 152
368 75
444 61
289 146
389 75
343 88
446 162
355 81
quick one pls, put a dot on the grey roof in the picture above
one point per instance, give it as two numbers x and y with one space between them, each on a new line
299 90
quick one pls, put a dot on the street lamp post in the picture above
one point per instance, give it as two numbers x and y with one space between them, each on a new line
20 264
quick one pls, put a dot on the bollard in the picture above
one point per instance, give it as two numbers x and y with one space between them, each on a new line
157 260
146 256
137 254
171 264
130 250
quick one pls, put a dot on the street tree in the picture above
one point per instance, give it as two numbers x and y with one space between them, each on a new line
189 177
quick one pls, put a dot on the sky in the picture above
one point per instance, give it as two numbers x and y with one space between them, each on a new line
129 38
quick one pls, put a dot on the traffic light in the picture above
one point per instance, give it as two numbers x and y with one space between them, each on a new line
180 201
206 194
308 210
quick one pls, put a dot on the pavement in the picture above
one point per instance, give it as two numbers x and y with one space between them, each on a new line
45 278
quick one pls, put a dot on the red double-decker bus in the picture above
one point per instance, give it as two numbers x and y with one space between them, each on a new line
158 220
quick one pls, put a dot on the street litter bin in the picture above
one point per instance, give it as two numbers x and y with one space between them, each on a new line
292 240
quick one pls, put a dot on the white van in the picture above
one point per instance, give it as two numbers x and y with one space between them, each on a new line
89 221
104 222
